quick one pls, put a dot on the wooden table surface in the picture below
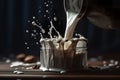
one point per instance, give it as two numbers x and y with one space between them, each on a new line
7 73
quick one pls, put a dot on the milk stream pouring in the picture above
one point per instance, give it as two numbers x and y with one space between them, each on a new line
68 52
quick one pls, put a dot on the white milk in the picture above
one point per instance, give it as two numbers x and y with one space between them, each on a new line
64 53
73 10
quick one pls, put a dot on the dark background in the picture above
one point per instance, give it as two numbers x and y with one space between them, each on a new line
16 17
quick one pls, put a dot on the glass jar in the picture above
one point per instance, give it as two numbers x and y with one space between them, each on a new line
55 57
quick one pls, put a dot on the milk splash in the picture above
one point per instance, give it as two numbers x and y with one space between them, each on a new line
57 53
63 52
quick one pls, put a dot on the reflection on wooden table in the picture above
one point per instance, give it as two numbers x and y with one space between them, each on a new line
95 70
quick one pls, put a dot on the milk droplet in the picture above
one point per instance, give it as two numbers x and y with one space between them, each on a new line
116 62
18 72
44 15
34 31
112 61
32 34
8 61
41 35
39 11
37 43
47 11
33 17
44 2
28 47
48 17
34 23
28 21
35 38
53 13
55 19
27 31
26 43
47 5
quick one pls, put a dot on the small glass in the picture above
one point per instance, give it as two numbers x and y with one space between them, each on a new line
53 59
